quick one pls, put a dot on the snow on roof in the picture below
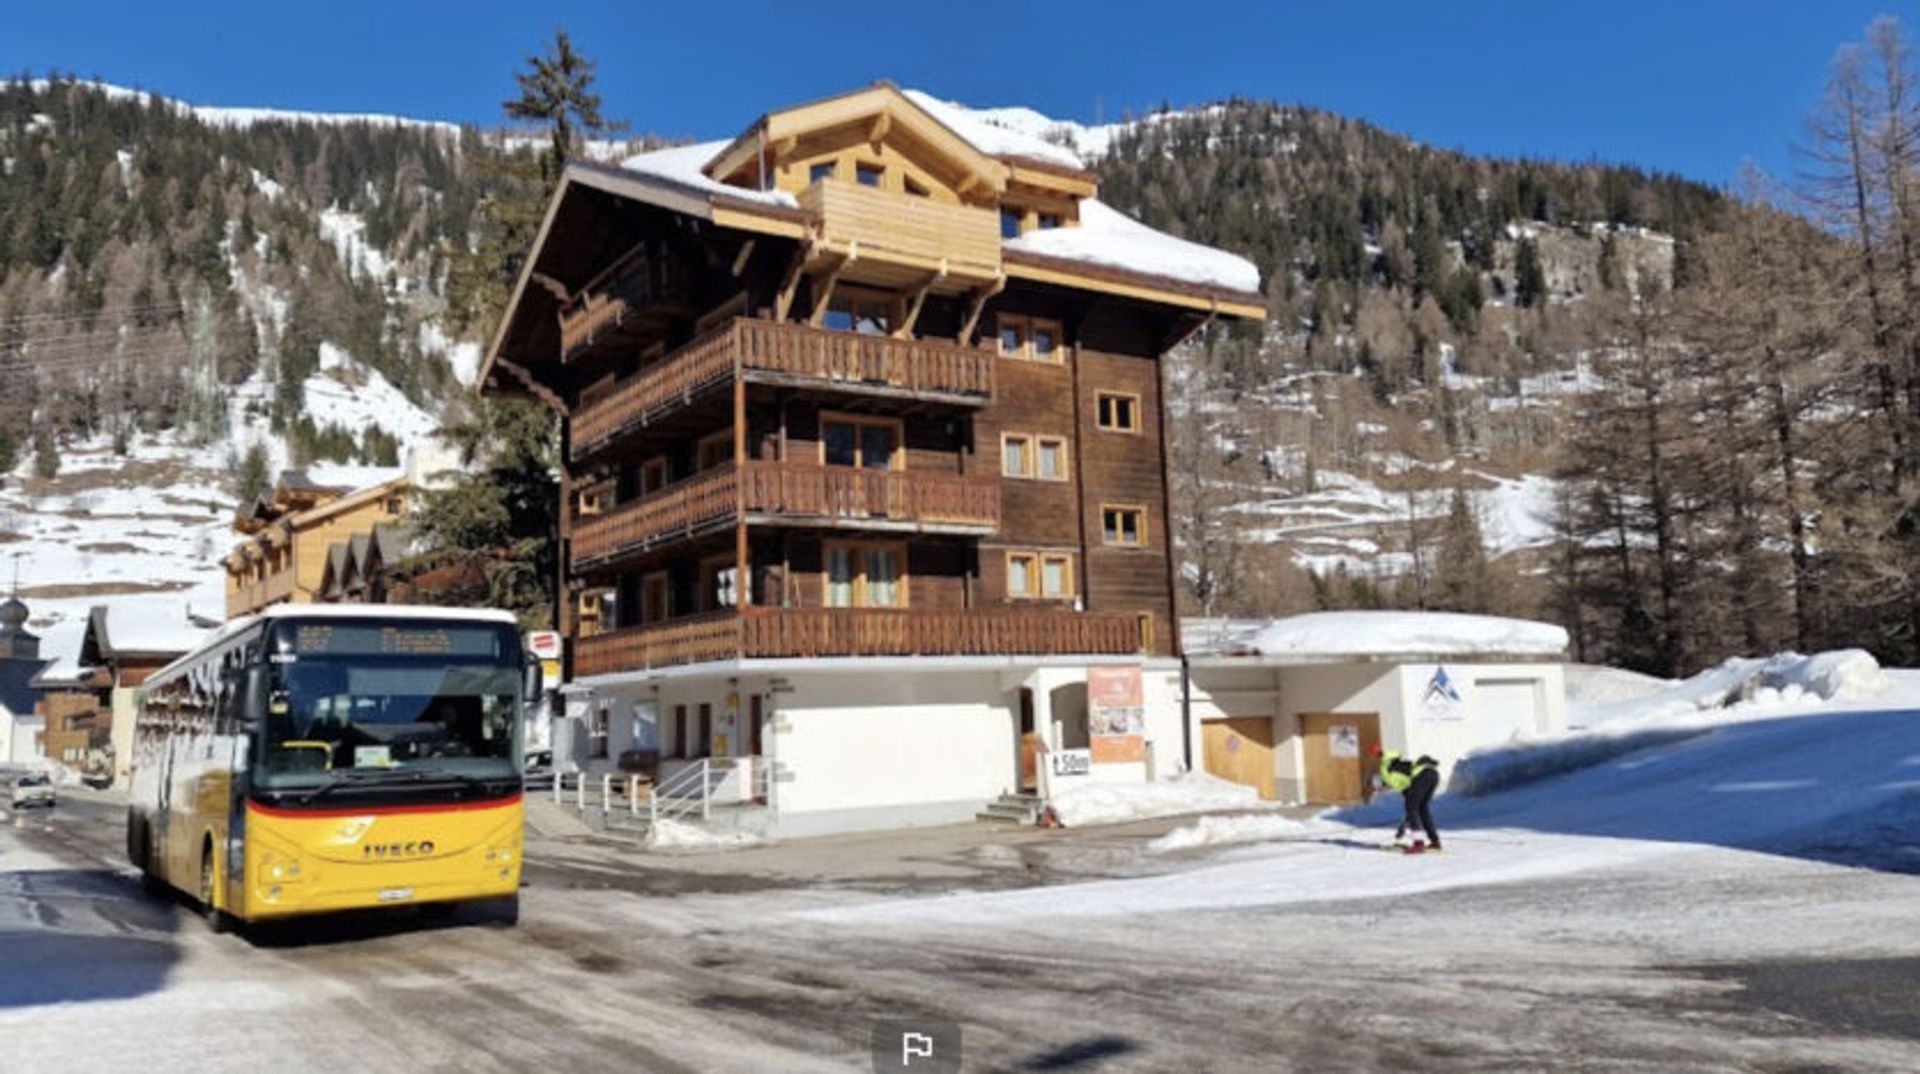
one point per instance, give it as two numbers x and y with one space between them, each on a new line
994 131
682 164
1109 237
1361 634
152 628
335 475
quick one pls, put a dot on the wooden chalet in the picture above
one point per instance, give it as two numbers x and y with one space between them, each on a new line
872 379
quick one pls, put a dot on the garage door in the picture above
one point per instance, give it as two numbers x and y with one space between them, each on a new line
1503 708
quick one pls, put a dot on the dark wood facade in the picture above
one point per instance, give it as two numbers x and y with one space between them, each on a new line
775 451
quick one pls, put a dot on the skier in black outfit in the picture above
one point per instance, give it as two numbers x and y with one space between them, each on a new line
1416 781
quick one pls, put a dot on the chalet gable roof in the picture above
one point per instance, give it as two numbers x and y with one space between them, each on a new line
885 113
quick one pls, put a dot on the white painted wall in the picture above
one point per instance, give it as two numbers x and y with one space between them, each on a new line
1393 691
1448 740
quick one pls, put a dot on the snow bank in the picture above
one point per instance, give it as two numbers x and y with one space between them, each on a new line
1737 690
1218 831
1109 237
1117 803
1403 633
675 835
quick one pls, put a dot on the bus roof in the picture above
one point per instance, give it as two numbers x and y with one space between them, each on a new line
339 611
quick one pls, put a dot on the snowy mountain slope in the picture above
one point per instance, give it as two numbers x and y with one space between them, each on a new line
147 532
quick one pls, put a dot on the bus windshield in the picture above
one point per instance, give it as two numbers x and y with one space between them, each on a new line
414 698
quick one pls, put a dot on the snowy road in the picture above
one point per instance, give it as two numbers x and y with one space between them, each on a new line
1534 944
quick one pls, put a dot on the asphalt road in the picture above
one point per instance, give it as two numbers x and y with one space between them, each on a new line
664 968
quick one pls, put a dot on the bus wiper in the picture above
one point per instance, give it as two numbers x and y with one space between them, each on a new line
348 779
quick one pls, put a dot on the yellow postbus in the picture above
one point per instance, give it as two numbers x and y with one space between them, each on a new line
329 757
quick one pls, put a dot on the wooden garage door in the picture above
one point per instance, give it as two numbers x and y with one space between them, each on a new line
1338 749
1241 749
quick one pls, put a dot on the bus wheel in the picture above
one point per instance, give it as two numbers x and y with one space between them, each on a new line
216 921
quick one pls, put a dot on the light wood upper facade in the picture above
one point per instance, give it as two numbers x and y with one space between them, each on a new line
813 407
282 557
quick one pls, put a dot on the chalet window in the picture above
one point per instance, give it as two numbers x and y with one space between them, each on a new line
1046 340
866 575
1123 525
866 314
393 505
1030 337
869 174
1027 455
1119 412
914 188
655 599
1049 221
1013 338
1050 458
1039 574
716 449
1010 223
653 474
719 584
1056 576
1020 569
1016 455
868 443
822 170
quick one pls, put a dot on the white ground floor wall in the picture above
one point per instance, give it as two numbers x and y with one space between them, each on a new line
1441 710
886 745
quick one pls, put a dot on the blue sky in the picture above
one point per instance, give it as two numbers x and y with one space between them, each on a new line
1695 86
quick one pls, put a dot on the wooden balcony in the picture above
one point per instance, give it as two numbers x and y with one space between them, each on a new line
791 494
604 303
959 242
775 633
794 355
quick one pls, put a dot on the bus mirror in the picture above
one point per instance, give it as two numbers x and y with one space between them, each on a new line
535 678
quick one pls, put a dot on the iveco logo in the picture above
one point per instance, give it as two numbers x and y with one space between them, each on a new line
379 851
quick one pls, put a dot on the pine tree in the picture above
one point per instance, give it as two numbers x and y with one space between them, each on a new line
46 456
1462 577
557 91
1530 280
252 474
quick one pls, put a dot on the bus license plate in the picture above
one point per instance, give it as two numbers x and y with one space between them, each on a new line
395 894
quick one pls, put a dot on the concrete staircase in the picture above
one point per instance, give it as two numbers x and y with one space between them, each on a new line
1022 808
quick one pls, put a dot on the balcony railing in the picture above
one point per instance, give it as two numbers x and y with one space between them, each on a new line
778 493
606 300
768 633
779 490
962 240
680 510
758 350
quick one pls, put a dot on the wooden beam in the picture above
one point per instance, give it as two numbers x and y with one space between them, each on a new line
914 304
882 123
979 305
784 147
552 286
790 283
740 259
534 387
823 293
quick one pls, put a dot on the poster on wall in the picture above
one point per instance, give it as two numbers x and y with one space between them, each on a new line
1116 714
1441 699
1343 740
